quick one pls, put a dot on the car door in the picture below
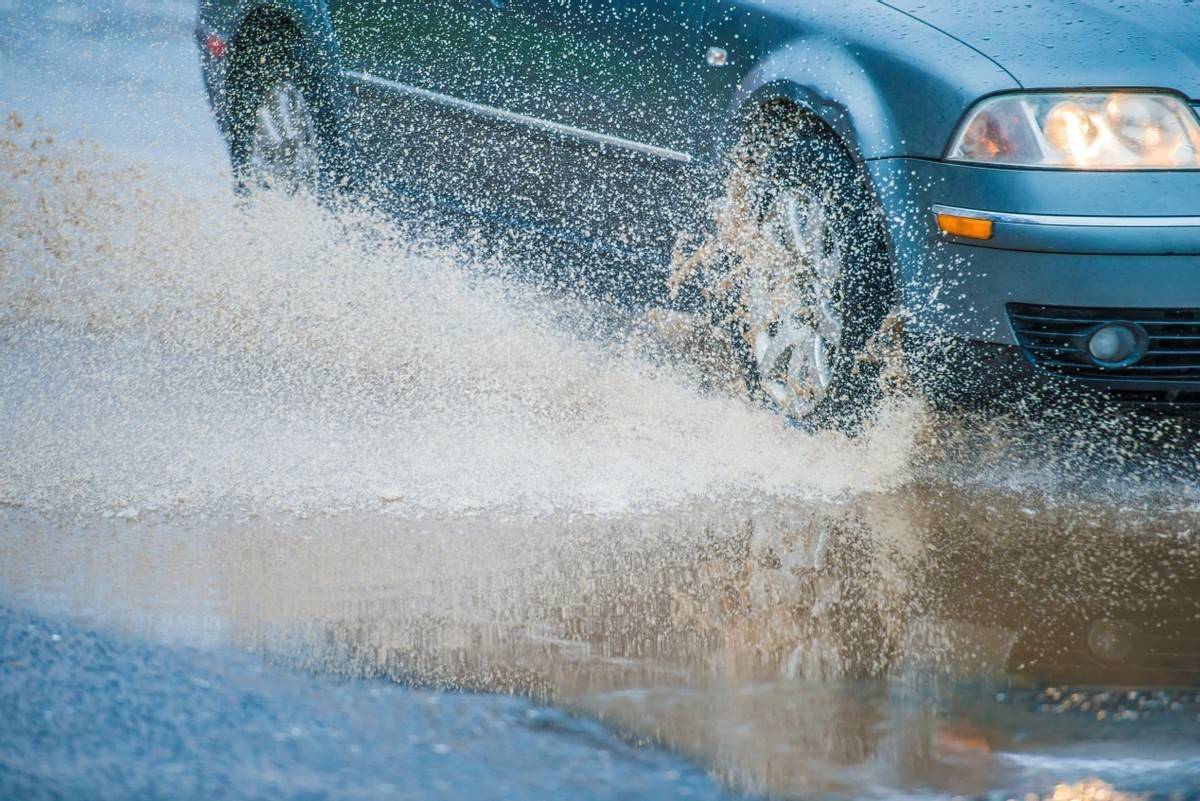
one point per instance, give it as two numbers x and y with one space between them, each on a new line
609 93
411 69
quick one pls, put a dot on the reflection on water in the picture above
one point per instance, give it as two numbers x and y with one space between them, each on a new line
893 642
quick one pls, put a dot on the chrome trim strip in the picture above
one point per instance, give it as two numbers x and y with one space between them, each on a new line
1070 220
522 119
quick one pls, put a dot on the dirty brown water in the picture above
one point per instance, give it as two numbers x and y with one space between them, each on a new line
689 628
363 455
359 451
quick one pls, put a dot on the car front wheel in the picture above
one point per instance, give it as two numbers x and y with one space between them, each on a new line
810 279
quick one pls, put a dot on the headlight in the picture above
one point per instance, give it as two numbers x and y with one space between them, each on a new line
1081 131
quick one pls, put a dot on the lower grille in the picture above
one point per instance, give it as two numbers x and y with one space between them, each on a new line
1054 337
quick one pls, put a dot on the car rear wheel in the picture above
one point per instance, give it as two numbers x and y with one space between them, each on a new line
279 135
813 279
283 149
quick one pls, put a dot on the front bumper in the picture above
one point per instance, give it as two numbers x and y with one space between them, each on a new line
1111 245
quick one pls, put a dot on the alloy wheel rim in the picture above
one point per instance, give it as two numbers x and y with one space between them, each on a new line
283 148
791 303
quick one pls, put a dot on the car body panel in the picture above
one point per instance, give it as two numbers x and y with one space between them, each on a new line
851 63
889 85
1081 43
615 67
949 287
590 115
606 123
424 44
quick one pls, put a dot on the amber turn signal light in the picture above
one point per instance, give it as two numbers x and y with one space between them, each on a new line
966 227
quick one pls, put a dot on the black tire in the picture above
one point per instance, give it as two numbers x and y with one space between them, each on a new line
808 157
262 59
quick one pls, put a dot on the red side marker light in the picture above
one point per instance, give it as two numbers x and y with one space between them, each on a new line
216 46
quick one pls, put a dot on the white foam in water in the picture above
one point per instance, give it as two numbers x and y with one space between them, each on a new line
168 353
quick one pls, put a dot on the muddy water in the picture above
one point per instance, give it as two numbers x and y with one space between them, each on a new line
365 453
818 648
363 450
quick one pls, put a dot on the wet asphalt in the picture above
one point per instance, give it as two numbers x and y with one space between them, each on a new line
88 715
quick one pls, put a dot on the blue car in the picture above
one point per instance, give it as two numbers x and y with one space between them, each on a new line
1013 187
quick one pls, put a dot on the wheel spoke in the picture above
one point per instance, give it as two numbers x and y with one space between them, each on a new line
794 321
283 111
829 322
267 127
284 148
820 370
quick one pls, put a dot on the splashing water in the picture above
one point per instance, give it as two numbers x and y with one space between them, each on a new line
388 457
294 358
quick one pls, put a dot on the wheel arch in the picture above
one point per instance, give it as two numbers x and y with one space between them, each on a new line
266 20
825 83
885 95
247 24
305 21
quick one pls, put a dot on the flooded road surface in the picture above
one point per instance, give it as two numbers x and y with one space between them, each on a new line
713 631
266 466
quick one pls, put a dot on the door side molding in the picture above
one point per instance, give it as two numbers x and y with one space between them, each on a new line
570 131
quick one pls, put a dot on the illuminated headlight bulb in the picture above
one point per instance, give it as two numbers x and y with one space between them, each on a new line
1147 127
1070 129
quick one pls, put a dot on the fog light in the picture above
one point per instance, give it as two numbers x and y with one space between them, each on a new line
1117 344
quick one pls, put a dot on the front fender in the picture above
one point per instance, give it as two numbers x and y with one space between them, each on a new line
888 84
825 81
